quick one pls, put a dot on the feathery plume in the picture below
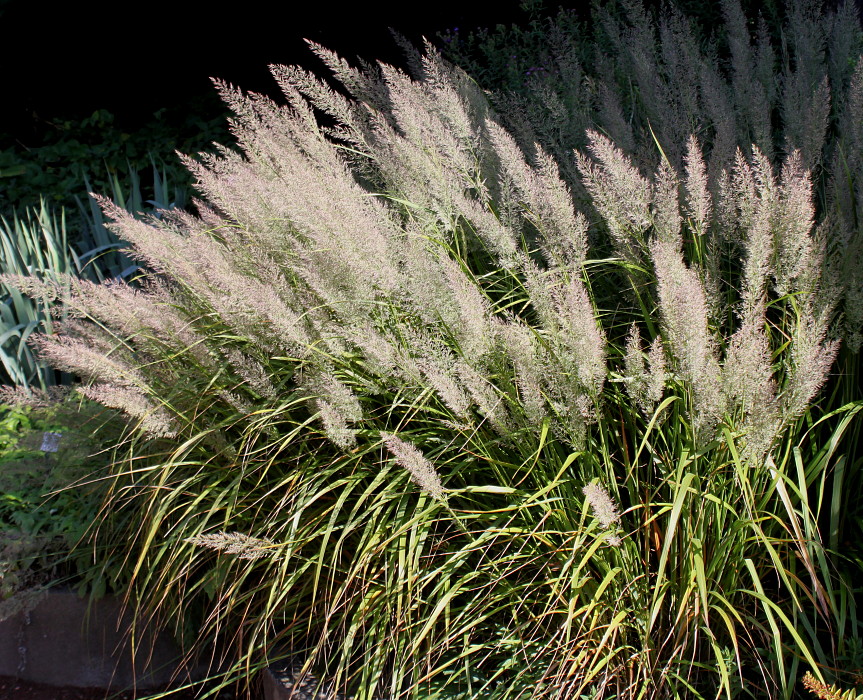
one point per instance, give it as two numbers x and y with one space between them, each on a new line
152 419
337 405
682 70
645 385
447 387
633 362
518 341
806 86
547 201
604 509
812 356
235 543
684 311
620 194
567 315
611 114
497 236
794 221
698 201
473 328
719 110
751 96
252 372
756 193
422 471
748 382
35 397
843 41
486 396
335 425
666 205
657 374
84 350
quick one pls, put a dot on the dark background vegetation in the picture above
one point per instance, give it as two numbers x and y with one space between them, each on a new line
67 60
83 57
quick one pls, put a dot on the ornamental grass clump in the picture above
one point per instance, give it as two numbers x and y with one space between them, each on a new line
390 412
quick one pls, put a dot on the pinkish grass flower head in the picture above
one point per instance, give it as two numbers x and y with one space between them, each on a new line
422 471
604 509
236 543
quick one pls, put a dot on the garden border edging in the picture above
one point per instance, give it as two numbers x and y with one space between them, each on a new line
69 641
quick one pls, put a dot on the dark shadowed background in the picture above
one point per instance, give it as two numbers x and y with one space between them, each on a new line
65 60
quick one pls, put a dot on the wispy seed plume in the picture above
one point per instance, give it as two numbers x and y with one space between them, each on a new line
604 509
236 543
422 471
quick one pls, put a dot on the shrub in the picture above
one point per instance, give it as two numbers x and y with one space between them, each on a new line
395 413
50 493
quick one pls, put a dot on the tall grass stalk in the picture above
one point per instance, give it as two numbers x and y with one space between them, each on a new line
395 415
